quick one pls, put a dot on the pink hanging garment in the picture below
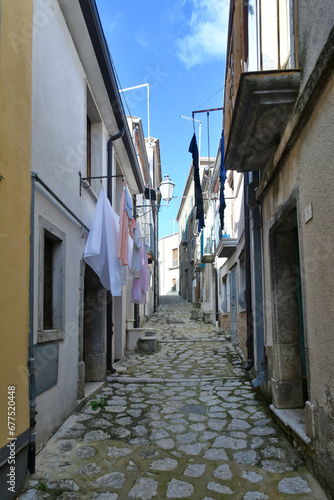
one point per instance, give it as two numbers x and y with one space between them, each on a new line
123 240
140 285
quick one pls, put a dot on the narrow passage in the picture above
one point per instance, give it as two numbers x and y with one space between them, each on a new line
183 422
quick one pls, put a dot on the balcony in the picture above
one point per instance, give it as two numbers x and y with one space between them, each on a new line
226 247
264 103
198 266
208 255
184 238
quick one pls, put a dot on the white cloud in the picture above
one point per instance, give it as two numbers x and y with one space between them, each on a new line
207 32
117 24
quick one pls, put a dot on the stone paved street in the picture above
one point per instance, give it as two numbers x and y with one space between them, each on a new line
183 422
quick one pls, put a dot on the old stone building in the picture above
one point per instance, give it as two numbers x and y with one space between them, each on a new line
278 121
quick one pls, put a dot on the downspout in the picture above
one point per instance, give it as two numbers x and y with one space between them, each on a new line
109 296
216 280
135 306
248 293
258 288
156 266
31 361
216 295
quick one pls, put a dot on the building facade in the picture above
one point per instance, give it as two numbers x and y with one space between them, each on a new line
15 189
186 220
278 117
169 275
62 330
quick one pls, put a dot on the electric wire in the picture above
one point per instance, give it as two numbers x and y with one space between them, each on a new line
208 99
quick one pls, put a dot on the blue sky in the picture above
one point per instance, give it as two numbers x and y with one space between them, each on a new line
178 47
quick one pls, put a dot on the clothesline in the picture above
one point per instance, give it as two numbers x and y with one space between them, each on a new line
114 243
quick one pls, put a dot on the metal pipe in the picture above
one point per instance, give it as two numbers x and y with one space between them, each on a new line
109 296
258 286
135 306
31 361
248 294
38 179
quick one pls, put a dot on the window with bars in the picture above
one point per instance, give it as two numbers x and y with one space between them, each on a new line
51 291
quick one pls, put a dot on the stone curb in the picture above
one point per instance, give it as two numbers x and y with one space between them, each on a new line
143 380
163 341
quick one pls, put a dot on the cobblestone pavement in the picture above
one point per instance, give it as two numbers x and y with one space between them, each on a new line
183 422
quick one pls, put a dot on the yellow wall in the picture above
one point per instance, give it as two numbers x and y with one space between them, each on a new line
15 195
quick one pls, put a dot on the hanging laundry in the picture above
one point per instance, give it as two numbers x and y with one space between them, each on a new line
136 253
101 250
132 225
193 149
140 285
130 252
122 246
127 225
222 178
128 203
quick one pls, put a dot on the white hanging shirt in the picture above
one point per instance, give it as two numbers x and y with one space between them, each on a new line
136 253
101 247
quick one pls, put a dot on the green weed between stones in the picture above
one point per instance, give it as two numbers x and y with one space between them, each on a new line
42 487
100 403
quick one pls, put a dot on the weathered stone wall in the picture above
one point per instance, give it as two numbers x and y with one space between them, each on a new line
242 332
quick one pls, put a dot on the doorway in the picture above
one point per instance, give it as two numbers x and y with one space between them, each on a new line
94 350
289 356
233 305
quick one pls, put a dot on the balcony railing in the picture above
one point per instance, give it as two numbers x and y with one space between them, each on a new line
208 255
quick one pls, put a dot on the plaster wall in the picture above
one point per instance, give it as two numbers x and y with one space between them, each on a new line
186 280
167 271
308 175
58 152
313 32
15 195
316 152
280 196
56 403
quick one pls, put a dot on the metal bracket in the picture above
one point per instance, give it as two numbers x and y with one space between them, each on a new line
140 209
83 179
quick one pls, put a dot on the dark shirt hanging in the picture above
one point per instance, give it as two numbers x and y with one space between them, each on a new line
222 178
193 149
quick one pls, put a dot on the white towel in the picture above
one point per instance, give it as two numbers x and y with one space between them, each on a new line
101 247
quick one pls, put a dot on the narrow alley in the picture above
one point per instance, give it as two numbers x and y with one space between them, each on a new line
183 422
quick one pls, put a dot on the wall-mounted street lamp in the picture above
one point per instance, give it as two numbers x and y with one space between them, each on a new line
166 188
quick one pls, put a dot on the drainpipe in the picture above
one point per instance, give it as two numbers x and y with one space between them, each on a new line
109 296
156 267
135 306
248 293
258 288
31 361
216 295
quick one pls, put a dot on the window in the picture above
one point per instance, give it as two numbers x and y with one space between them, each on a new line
51 291
48 289
174 285
175 257
224 295
94 143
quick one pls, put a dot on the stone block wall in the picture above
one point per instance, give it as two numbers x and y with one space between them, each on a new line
225 322
242 332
